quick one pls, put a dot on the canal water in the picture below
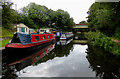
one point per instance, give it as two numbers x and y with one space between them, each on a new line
72 58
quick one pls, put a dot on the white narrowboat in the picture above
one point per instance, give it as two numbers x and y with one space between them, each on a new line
66 36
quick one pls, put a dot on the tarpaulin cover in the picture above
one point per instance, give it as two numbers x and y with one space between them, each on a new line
24 38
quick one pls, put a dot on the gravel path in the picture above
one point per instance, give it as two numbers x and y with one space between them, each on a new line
1 48
118 41
5 38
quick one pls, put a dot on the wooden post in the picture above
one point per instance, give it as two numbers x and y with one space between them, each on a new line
16 16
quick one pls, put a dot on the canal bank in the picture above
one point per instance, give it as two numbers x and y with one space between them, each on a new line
100 40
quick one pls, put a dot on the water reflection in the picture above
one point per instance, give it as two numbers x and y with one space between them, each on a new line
64 42
59 51
15 63
81 42
63 64
105 65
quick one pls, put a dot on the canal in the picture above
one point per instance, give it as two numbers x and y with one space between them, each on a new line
72 58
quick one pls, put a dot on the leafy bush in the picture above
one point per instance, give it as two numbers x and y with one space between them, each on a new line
91 36
104 41
117 33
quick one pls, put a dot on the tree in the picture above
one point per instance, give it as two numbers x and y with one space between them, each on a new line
63 20
7 13
104 16
37 16
83 22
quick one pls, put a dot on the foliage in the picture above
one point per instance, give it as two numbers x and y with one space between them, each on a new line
4 42
7 33
37 16
7 13
117 33
91 36
83 22
104 16
104 41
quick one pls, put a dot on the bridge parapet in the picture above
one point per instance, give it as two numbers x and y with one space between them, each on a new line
81 26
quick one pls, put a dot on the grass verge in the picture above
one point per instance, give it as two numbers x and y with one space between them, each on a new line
6 33
4 42
100 40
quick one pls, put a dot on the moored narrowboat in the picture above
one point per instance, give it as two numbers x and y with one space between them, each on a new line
66 36
21 40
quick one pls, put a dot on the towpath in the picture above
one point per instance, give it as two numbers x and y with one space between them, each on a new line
5 38
117 41
1 48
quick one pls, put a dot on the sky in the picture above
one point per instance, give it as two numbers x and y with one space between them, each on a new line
76 8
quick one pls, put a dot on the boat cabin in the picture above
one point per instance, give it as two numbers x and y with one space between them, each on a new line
21 28
45 30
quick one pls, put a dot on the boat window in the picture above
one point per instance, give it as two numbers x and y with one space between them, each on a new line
36 38
43 37
63 36
42 30
22 29
48 37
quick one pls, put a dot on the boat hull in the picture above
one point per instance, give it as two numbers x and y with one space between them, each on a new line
28 46
19 45
31 50
29 40
66 36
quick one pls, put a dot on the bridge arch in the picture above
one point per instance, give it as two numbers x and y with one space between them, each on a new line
79 30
